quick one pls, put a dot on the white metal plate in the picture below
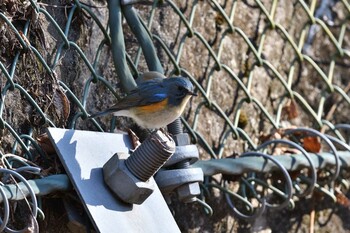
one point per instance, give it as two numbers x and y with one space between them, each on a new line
83 154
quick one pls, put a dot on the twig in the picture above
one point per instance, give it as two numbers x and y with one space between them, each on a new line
312 215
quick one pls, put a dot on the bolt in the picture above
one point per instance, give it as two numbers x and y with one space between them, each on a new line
175 127
129 178
151 155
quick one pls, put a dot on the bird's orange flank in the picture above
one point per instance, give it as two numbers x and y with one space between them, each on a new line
154 107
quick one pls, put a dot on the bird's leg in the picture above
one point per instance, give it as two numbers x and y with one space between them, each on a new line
134 139
150 131
163 130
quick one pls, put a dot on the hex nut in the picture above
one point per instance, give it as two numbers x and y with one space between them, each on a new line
123 183
187 192
182 139
183 153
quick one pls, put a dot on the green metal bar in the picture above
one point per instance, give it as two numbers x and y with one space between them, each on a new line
294 162
41 187
143 38
118 46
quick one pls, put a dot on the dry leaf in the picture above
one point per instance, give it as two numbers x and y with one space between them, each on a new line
62 105
291 110
276 134
294 174
45 144
312 144
219 19
342 199
243 120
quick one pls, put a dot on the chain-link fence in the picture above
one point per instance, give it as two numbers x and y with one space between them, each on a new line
262 69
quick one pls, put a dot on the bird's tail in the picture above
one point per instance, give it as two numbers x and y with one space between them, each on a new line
102 113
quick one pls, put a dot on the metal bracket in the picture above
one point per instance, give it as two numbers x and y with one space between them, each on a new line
83 154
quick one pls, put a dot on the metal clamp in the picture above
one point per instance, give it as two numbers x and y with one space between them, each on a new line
177 174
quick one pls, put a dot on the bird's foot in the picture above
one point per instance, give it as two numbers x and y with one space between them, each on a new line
134 139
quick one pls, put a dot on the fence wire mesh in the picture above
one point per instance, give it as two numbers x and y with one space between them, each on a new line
263 69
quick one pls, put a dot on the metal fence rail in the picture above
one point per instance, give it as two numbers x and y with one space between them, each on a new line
266 88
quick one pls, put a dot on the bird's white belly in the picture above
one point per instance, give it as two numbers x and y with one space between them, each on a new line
156 120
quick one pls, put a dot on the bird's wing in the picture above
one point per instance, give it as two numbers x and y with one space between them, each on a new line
146 93
141 98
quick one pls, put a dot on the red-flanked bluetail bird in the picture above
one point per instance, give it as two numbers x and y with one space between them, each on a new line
155 103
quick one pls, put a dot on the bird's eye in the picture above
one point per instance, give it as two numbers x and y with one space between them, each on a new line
180 88
181 91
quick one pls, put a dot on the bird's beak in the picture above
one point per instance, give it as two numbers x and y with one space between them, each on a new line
192 93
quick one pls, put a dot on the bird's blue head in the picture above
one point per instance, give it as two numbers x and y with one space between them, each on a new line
179 89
